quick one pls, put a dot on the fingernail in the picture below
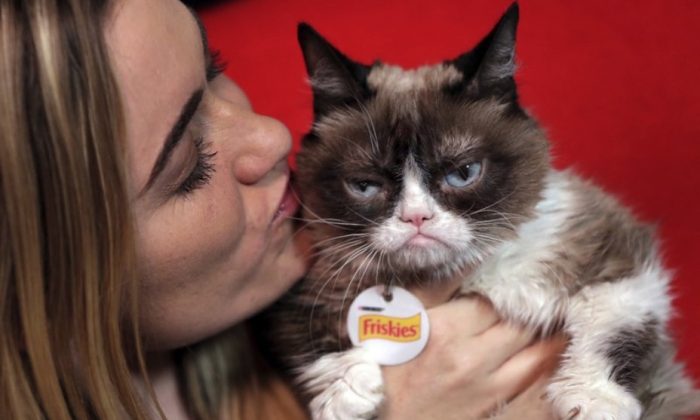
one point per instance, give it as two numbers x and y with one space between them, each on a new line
573 413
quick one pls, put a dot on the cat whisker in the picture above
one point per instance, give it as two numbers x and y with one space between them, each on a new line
363 217
495 203
336 249
341 238
339 265
382 254
342 262
510 217
356 254
351 258
484 237
333 248
361 268
493 224
308 209
326 221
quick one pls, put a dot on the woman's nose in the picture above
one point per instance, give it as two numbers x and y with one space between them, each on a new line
267 145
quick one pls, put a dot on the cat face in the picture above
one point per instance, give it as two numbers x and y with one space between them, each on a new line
423 170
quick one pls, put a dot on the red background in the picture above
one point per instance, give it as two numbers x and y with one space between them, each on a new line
613 82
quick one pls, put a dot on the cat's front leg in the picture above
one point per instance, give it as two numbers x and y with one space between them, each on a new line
615 329
343 386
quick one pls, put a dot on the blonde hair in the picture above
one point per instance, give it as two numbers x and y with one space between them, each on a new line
65 236
69 340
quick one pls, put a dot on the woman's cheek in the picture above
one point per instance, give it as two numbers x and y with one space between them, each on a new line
186 236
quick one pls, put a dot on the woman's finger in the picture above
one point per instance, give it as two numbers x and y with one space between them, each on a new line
499 343
530 403
524 368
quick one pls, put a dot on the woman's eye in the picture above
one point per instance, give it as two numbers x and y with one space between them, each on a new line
464 175
203 170
364 188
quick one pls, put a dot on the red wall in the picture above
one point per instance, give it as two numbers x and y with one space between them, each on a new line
614 85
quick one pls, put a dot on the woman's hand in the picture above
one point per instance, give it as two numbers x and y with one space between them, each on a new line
472 365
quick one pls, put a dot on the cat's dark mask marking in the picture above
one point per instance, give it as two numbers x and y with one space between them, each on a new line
372 122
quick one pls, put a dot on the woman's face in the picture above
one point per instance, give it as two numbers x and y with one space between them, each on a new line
208 180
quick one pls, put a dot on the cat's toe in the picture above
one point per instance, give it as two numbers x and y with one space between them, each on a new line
603 401
352 388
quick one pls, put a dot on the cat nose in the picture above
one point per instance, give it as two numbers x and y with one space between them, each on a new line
416 217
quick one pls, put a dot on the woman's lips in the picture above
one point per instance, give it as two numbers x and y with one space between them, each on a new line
287 207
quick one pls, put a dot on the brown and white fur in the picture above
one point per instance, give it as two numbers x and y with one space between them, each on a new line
552 252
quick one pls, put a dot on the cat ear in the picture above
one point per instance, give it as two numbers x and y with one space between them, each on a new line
489 67
335 79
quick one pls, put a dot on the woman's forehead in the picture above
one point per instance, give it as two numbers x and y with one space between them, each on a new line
158 60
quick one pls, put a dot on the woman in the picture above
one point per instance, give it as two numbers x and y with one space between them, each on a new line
144 215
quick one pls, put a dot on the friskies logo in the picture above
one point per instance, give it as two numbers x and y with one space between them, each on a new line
390 328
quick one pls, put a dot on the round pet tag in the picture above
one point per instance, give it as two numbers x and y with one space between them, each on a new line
394 330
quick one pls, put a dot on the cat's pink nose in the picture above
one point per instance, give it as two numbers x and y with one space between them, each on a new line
416 217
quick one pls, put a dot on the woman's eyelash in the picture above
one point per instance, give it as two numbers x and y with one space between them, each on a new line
216 65
203 170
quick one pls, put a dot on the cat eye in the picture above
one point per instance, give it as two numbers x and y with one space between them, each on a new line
464 175
364 188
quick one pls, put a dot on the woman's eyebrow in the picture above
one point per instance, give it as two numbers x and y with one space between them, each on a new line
186 114
175 135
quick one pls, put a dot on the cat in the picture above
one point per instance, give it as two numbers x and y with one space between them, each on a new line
414 176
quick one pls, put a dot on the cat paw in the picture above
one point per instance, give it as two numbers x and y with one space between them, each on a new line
347 386
603 401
